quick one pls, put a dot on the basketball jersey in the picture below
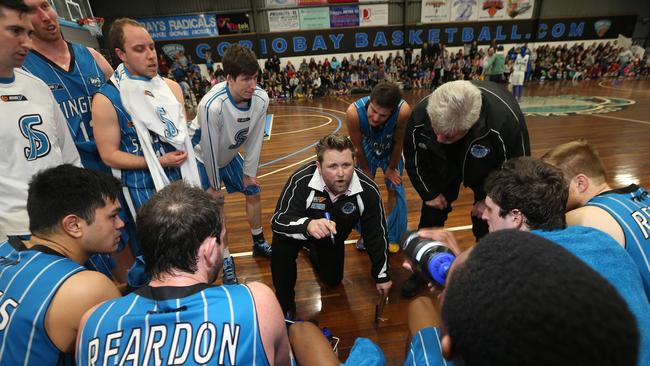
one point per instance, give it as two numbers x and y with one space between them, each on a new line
199 324
129 143
376 141
29 279
521 62
73 90
34 136
225 128
630 207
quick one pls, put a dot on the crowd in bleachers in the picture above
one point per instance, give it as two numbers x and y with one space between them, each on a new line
433 65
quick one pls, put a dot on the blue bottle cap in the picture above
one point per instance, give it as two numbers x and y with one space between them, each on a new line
327 332
439 266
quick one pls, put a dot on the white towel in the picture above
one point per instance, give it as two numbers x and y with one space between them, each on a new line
153 107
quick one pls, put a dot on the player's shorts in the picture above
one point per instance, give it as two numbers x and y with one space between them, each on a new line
425 348
232 177
517 78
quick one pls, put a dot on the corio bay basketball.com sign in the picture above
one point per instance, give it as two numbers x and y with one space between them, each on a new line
370 39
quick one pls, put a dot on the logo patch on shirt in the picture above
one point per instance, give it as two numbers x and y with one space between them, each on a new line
13 98
479 151
55 86
318 199
317 206
95 81
148 93
245 119
348 208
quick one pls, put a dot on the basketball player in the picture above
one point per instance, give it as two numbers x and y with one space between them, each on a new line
623 213
519 73
509 325
376 126
145 156
44 290
74 73
180 318
232 115
34 134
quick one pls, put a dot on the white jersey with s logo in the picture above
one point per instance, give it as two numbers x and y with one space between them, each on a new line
34 136
226 128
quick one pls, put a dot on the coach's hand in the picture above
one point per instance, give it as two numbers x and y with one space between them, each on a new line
173 159
440 202
251 181
321 228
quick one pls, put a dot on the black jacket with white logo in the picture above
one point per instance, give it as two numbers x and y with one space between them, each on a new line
303 199
499 134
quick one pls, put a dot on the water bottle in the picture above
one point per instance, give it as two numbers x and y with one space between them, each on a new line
431 258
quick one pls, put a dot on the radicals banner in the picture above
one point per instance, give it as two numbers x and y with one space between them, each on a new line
181 26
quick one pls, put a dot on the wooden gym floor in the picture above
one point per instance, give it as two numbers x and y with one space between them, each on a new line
622 136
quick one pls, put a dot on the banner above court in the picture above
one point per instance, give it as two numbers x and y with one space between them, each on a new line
356 39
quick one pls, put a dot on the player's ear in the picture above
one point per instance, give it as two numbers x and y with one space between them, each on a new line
209 251
120 54
582 182
72 226
445 345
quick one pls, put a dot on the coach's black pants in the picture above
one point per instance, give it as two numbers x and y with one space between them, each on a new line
327 258
433 217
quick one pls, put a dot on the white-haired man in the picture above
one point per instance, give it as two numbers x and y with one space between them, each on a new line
460 133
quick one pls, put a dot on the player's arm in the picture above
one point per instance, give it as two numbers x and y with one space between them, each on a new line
209 124
108 135
398 141
597 218
74 298
69 150
271 321
106 68
253 143
178 93
354 130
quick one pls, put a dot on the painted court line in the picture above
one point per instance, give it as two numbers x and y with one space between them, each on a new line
620 118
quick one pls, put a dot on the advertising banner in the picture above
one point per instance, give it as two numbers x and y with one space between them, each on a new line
520 9
314 18
435 11
491 10
311 2
344 16
181 26
280 3
373 15
233 23
283 20
464 10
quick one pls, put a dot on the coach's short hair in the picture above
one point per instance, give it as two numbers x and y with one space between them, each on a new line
334 141
520 299
173 224
535 188
116 33
17 5
65 190
239 60
454 106
386 94
577 157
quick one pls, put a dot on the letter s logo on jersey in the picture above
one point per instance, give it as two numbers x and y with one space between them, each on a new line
240 138
39 143
170 127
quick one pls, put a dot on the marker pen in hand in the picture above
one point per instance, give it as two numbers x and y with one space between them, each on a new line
327 217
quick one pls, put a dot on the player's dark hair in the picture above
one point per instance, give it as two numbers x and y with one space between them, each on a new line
116 33
65 190
333 141
173 224
239 60
520 299
17 5
386 95
535 188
